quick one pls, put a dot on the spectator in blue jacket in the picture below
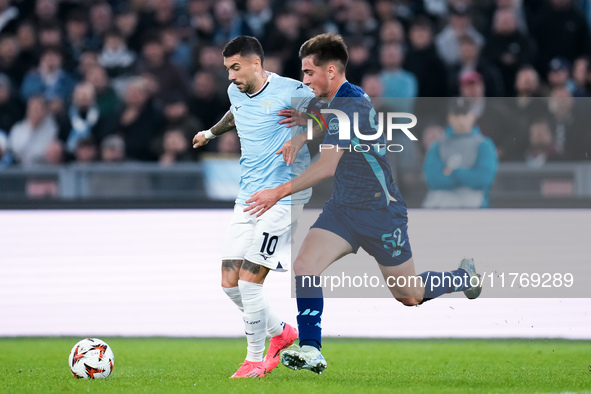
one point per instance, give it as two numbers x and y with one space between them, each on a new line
49 80
460 168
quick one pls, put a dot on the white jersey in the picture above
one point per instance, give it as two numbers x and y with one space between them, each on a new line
261 135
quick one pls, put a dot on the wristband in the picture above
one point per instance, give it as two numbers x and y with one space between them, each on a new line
209 135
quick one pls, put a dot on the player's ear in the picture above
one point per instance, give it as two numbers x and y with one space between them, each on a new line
256 62
332 71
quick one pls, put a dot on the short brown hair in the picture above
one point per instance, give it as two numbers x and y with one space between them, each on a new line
326 48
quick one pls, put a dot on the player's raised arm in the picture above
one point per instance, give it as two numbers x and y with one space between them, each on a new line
263 200
290 149
226 124
291 117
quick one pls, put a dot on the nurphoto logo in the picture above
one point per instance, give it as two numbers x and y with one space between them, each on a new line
341 124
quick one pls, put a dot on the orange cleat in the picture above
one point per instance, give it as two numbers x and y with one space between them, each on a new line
250 369
277 344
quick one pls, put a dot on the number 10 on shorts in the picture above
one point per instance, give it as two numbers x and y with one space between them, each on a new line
269 244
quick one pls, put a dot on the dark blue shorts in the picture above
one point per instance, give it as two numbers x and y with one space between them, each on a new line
382 233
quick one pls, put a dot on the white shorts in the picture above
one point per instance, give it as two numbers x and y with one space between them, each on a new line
265 240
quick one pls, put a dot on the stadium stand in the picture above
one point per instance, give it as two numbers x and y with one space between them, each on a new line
135 77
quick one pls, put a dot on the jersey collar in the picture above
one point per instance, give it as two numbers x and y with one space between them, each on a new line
338 90
269 76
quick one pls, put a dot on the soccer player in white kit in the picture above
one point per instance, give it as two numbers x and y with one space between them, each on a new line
254 246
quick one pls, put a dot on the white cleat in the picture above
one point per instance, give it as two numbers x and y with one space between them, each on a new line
468 266
306 357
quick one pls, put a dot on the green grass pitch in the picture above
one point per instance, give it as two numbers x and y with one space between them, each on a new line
202 365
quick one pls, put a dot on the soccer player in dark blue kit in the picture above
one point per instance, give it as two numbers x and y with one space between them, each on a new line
366 209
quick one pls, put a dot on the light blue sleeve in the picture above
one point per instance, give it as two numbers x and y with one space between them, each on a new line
299 97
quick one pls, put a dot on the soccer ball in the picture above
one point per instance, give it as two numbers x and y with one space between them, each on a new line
91 358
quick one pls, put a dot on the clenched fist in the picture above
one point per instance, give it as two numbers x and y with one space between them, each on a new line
199 140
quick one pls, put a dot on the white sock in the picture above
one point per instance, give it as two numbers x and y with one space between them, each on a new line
274 323
234 294
255 319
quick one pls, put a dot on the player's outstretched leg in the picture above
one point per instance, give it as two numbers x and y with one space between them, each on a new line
277 344
463 279
306 357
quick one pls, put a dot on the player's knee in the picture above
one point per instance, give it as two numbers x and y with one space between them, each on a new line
303 267
228 283
299 267
230 272
298 271
229 280
409 301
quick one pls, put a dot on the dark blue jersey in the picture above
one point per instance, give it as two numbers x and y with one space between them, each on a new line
363 178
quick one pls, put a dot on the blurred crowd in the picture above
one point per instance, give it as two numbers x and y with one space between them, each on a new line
111 81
